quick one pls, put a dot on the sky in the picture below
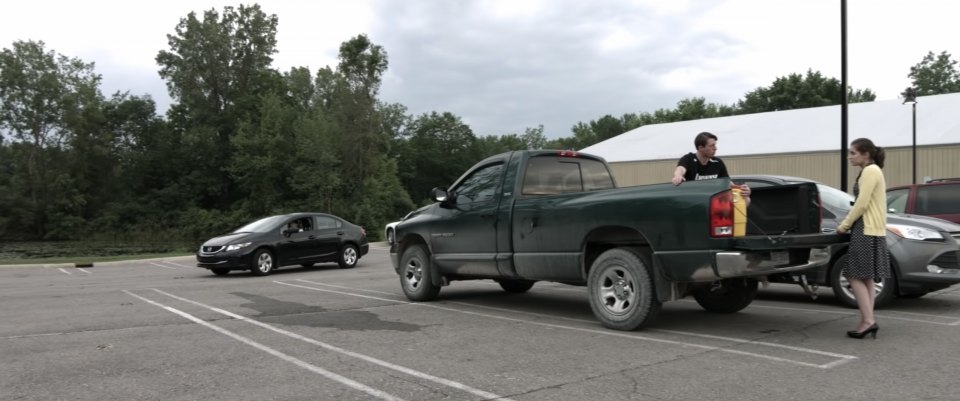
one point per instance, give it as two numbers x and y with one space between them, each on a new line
504 66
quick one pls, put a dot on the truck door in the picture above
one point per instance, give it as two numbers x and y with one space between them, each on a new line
464 235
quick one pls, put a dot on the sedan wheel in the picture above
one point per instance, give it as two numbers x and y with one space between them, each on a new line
885 289
348 256
263 263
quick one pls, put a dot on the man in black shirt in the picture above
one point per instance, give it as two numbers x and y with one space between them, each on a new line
704 164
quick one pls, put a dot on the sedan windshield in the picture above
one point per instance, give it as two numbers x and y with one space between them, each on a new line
261 226
835 200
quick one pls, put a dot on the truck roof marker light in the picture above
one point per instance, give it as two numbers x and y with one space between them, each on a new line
568 153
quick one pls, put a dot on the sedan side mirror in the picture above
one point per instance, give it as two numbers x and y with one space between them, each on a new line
439 194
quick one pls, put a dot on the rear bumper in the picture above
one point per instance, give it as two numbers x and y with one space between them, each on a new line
744 264
705 266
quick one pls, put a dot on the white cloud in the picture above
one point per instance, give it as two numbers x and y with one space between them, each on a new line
506 65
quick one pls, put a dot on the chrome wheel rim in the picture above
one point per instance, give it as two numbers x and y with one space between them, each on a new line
350 256
617 290
413 274
264 262
848 291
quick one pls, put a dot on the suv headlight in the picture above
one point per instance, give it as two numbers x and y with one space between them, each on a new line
234 247
914 232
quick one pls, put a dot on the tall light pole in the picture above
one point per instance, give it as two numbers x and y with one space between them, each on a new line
910 96
843 96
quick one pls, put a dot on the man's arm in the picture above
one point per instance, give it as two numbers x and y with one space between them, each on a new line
678 174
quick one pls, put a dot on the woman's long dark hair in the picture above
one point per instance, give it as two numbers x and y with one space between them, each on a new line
864 145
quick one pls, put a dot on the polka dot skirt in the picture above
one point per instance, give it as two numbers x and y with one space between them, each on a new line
867 257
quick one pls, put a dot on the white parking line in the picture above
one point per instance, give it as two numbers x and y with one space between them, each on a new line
163 266
841 359
64 271
83 270
385 364
883 316
176 264
313 368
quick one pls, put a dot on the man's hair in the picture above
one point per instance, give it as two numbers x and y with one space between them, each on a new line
702 138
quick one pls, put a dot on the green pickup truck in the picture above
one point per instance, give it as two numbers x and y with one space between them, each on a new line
527 216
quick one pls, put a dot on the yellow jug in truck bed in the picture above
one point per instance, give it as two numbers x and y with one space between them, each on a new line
739 214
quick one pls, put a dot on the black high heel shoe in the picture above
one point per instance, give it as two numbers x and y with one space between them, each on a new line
872 330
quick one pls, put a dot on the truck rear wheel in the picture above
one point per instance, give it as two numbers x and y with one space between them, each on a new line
621 290
415 272
727 295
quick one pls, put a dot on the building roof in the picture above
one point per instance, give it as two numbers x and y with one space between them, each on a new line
887 122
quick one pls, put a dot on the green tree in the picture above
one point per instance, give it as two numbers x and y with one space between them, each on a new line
797 91
217 71
440 148
935 74
45 100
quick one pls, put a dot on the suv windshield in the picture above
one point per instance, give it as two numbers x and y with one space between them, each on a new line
260 226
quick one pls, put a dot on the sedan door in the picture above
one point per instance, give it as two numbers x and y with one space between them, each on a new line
296 247
328 238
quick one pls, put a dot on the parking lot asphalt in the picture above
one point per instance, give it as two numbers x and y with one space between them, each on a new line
165 329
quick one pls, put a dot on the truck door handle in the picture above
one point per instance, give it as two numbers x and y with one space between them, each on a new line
312 237
339 232
486 215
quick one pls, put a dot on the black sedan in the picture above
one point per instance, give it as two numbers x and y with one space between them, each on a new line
924 250
290 239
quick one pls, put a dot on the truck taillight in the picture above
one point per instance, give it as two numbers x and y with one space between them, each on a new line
721 215
363 232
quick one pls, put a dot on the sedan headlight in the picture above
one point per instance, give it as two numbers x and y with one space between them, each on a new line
914 232
234 247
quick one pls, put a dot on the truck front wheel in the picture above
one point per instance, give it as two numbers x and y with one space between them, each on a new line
415 274
727 295
621 290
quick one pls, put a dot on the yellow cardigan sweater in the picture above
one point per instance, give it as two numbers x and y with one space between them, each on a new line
871 204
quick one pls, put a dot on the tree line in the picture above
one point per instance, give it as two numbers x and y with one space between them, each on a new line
243 140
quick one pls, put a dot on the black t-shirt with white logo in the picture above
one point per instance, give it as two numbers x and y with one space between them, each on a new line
696 171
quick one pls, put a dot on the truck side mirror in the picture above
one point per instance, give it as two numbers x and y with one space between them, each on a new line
438 194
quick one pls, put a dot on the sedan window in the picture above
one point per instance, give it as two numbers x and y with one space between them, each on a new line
324 222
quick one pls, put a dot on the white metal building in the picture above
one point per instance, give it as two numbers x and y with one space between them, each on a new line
803 142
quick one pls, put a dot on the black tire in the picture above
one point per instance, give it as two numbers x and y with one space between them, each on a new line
886 289
622 294
516 286
263 262
307 265
220 272
726 296
348 256
415 274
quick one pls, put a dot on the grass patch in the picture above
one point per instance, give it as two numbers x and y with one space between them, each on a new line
87 251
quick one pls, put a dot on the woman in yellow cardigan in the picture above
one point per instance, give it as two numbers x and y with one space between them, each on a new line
867 257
